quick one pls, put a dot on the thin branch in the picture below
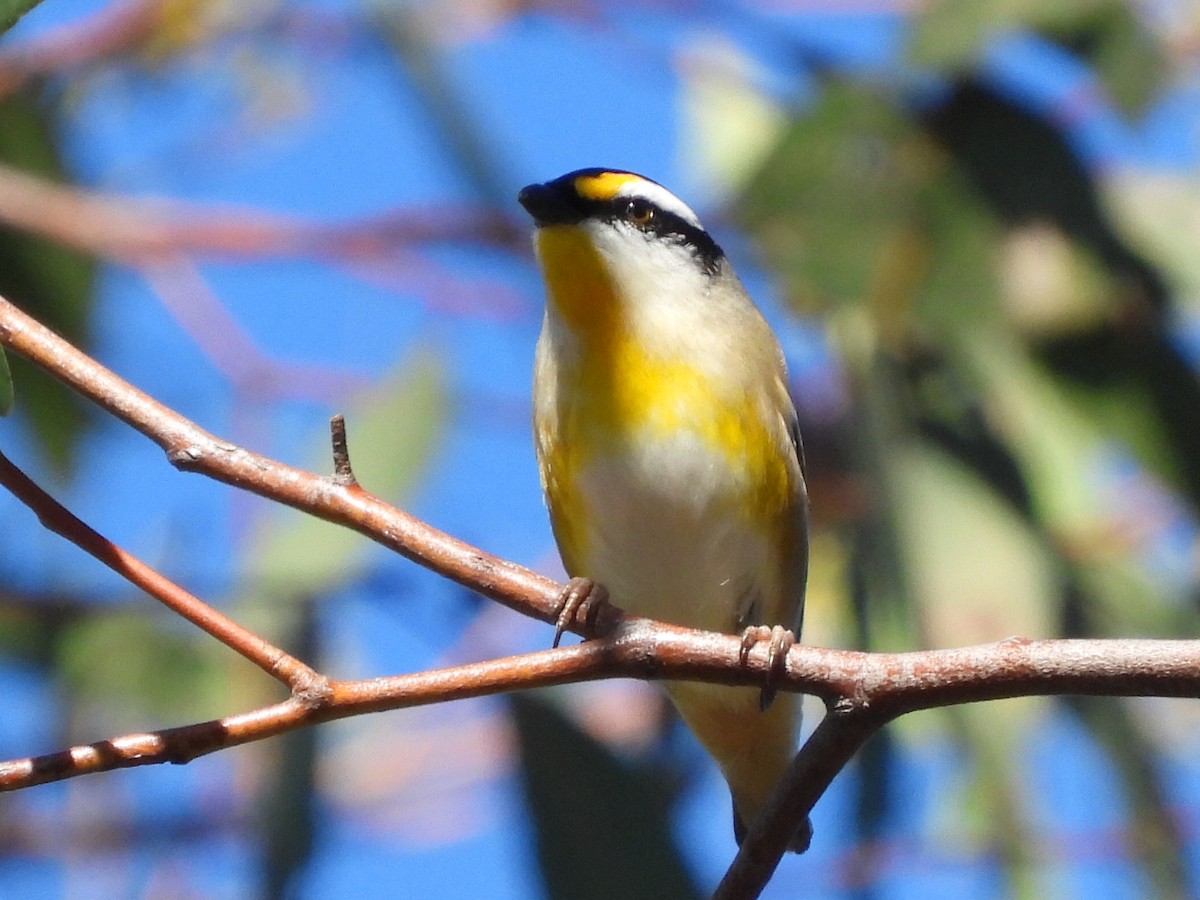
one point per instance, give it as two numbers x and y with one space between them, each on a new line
191 302
111 31
831 746
892 685
57 518
192 449
626 656
648 650
863 690
153 234
143 232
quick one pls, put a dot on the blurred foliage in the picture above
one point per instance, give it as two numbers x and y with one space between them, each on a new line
602 823
6 386
1017 398
391 431
12 10
954 37
1021 434
50 282
139 668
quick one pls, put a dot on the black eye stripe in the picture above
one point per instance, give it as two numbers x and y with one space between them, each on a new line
558 202
667 225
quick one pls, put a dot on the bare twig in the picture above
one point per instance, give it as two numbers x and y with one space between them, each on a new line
57 518
883 684
834 743
343 474
140 231
192 449
863 691
113 30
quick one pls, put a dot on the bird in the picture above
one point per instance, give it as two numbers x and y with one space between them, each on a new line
669 450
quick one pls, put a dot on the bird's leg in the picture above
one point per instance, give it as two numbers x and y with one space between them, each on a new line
581 601
781 641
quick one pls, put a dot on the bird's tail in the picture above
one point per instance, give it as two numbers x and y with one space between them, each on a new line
752 747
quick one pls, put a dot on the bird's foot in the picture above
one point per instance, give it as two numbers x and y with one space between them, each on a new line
780 642
799 842
581 601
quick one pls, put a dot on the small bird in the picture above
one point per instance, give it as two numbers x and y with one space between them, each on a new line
669 448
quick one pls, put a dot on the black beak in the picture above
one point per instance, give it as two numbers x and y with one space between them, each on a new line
552 203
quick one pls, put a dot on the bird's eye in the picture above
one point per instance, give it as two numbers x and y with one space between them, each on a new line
640 213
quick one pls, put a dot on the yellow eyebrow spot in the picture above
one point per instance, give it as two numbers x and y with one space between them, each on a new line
603 186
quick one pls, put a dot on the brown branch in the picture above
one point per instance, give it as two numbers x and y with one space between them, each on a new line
144 231
892 685
57 518
113 30
192 449
827 751
644 651
864 691
882 685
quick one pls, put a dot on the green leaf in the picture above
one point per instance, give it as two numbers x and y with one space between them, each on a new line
1064 451
12 10
1129 60
959 288
857 207
50 282
391 431
950 35
6 386
137 665
601 822
1156 213
834 196
942 510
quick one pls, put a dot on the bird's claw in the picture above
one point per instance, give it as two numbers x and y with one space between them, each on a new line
581 601
780 642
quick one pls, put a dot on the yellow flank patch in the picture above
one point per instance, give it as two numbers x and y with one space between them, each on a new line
619 392
603 186
643 396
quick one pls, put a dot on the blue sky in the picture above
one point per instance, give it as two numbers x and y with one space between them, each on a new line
352 138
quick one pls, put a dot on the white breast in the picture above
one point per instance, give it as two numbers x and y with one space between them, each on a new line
665 536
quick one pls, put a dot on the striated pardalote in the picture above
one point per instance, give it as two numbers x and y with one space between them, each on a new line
669 448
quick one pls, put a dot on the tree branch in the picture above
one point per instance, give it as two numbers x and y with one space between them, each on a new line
57 518
863 691
141 231
192 449
858 687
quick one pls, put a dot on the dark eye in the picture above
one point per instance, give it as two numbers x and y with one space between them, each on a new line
640 213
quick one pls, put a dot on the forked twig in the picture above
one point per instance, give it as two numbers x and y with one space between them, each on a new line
57 518
863 691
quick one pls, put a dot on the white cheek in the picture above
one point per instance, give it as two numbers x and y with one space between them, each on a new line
648 269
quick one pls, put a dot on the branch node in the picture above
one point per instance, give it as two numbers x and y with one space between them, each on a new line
312 691
185 458
847 706
342 473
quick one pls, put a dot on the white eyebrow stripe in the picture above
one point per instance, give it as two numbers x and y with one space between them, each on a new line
660 197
